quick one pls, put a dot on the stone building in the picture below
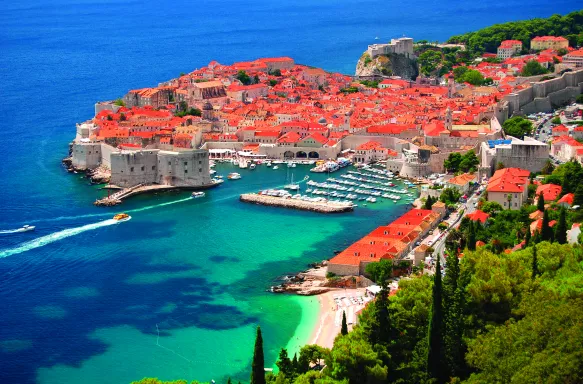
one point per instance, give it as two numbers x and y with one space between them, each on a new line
527 154
403 46
509 187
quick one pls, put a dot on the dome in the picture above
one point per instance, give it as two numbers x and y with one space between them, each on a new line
322 121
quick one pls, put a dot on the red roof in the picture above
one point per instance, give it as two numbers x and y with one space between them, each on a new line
478 215
550 191
290 138
512 180
549 38
567 199
369 145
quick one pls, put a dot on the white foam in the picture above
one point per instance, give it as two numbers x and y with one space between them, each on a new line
48 239
10 231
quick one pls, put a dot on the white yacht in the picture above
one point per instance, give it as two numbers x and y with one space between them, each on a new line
197 195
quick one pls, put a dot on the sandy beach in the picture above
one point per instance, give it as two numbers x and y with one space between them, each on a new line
328 326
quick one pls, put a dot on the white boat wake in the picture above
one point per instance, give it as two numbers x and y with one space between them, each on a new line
51 238
10 231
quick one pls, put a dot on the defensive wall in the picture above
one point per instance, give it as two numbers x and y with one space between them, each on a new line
542 96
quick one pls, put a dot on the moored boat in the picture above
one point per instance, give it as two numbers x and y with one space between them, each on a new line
233 176
197 195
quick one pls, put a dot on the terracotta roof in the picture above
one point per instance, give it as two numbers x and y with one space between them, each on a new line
550 191
512 180
478 215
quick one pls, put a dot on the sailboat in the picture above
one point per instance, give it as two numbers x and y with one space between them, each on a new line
292 186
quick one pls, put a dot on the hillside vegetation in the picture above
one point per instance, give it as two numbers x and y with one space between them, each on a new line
488 39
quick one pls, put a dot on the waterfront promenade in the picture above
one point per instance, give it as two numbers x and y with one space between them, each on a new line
314 206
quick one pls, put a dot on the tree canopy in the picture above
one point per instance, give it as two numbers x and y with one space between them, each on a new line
517 126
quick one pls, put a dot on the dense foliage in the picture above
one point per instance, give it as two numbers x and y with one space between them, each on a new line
533 68
456 162
517 126
488 39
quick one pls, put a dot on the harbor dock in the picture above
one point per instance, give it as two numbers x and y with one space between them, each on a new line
314 206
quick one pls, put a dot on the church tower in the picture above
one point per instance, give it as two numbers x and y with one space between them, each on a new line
448 119
450 86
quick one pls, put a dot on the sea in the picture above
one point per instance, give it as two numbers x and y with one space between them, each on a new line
177 291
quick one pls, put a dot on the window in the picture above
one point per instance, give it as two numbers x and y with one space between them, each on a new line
504 203
153 167
143 168
185 163
131 169
372 255
186 171
516 195
200 169
169 163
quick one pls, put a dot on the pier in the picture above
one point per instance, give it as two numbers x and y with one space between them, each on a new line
118 196
319 206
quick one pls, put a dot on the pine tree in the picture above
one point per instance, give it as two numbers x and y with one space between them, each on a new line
534 263
536 239
546 233
284 363
258 364
540 204
561 228
229 381
435 347
578 195
344 329
527 237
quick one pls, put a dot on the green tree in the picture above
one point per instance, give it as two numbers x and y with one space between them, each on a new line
353 358
428 203
272 83
429 61
344 329
517 126
548 168
381 334
556 120
452 163
119 102
378 270
540 204
546 232
313 353
258 364
473 77
491 207
243 77
435 349
527 237
471 236
459 72
561 228
533 68
453 293
579 99
469 162
499 165
534 263
450 196
284 364
578 196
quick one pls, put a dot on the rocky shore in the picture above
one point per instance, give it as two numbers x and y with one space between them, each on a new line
322 207
99 175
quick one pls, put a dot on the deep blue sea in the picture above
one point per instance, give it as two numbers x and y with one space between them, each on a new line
177 291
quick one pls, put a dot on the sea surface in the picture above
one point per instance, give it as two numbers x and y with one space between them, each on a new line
177 291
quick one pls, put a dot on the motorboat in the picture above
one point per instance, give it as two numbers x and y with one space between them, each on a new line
197 195
276 167
218 180
26 228
252 166
233 176
122 217
268 163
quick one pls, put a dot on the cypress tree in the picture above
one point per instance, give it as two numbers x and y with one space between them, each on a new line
540 205
534 263
561 228
453 309
229 381
344 329
258 364
295 364
429 202
578 195
527 237
435 348
381 334
536 239
472 236
546 233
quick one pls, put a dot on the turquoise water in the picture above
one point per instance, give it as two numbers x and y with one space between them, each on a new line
178 290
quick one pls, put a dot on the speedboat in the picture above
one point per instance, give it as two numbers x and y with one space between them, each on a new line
26 228
197 195
122 217
233 176
252 166
218 180
268 163
276 167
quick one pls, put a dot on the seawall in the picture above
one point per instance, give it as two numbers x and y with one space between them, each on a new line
328 207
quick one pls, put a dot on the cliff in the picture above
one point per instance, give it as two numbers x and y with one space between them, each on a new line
389 65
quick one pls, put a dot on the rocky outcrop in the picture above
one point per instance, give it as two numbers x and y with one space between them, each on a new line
387 65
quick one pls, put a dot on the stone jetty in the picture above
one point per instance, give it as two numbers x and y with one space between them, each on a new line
322 207
118 196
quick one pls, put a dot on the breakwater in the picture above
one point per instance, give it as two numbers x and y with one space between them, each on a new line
319 206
